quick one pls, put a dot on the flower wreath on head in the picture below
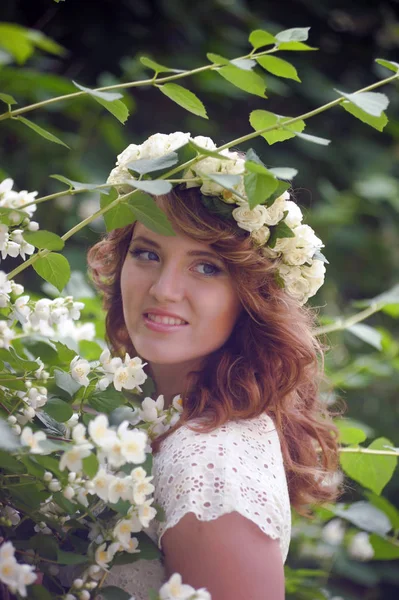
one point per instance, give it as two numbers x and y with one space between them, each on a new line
241 188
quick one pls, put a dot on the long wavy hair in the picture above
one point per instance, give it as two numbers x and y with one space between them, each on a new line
271 363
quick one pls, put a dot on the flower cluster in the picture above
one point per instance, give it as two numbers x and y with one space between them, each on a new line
18 204
301 266
14 574
175 589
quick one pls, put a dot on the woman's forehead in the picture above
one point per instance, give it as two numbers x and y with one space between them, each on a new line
179 239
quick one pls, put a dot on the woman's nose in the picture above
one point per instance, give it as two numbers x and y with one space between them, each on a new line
168 285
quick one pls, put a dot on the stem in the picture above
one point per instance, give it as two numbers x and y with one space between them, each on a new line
342 324
307 115
154 81
79 226
360 450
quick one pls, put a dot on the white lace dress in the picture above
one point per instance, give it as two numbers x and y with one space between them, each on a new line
238 467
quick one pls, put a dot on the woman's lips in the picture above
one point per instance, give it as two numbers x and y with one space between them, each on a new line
162 327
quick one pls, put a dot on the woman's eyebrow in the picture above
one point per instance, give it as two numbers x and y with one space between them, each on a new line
145 240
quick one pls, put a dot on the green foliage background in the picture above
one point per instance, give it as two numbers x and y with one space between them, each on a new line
349 189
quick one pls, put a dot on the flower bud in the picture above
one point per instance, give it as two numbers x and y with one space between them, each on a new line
53 570
85 595
91 585
78 583
30 412
69 597
12 420
54 485
69 492
47 476
33 226
17 429
94 569
28 384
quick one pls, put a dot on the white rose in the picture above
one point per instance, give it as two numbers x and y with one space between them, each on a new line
261 236
296 285
294 217
248 219
204 142
314 275
301 248
275 212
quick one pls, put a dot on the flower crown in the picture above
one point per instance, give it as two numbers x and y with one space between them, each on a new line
228 183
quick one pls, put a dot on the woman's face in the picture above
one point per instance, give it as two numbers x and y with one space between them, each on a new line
179 301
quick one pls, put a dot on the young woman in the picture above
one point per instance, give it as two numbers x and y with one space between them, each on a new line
218 316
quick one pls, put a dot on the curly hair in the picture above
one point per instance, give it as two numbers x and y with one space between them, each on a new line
271 363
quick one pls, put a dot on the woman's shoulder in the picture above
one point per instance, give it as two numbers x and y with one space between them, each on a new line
231 437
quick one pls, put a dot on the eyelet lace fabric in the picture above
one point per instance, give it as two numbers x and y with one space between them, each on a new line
238 467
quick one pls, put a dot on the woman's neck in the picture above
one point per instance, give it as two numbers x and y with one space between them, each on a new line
170 380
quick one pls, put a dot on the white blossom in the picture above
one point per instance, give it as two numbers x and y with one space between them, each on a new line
150 409
133 443
15 575
99 430
360 548
175 589
100 484
250 219
6 335
72 458
21 310
123 530
333 533
103 555
146 512
79 370
5 290
120 488
28 438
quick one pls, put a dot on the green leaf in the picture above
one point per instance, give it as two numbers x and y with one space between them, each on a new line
43 132
11 216
372 471
372 103
54 268
156 187
58 409
278 66
15 361
12 383
383 504
313 138
365 516
8 99
389 64
184 98
14 39
259 38
263 119
217 59
296 46
107 400
384 549
70 558
109 96
148 213
66 382
284 172
65 354
39 592
111 592
45 43
118 216
296 34
90 465
376 122
348 434
116 108
89 350
9 463
259 187
157 67
109 100
245 80
42 347
44 239
281 230
367 334
76 185
149 165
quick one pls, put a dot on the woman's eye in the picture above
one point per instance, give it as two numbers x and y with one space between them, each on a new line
209 269
142 254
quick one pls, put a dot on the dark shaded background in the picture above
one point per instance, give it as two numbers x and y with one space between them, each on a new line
350 189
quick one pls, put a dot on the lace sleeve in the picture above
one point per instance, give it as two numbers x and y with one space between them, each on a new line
238 467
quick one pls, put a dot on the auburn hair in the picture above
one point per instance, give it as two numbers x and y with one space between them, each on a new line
271 363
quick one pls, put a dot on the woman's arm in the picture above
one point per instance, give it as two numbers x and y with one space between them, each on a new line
230 556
